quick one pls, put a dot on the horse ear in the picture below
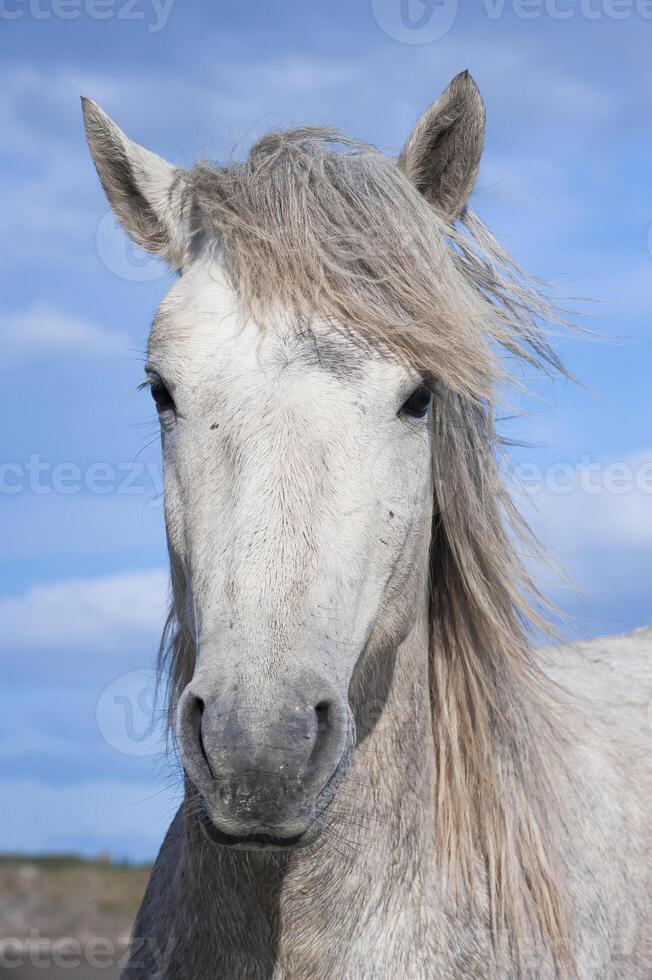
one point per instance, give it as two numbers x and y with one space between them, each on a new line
442 154
144 191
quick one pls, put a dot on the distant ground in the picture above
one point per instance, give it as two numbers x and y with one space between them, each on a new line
65 917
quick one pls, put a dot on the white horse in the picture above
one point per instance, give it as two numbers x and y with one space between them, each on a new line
381 781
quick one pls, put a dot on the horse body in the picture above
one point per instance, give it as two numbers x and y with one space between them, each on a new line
380 778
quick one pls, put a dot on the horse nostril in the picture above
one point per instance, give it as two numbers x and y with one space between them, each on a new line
192 728
322 710
195 717
324 735
199 714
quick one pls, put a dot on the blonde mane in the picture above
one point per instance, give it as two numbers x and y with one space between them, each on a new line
327 226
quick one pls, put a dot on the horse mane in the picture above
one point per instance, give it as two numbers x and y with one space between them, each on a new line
330 227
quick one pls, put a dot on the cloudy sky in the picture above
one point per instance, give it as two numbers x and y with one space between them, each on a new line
565 184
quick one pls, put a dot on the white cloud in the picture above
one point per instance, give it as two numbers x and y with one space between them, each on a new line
595 519
606 502
108 615
291 73
41 329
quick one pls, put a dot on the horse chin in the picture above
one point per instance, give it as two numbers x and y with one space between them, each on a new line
263 839
268 838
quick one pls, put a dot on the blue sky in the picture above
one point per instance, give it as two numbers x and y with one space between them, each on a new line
565 184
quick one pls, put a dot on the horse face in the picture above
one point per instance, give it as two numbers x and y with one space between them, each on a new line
297 500
297 483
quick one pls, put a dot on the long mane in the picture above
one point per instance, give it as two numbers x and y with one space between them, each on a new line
330 227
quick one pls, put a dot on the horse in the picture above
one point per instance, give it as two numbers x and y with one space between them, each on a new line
384 775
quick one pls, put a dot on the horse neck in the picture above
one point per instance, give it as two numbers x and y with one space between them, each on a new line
391 778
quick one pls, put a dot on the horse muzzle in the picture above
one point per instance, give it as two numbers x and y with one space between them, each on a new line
264 767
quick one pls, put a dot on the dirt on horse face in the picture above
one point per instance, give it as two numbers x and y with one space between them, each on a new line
378 780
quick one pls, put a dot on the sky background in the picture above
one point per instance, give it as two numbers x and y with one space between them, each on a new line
565 184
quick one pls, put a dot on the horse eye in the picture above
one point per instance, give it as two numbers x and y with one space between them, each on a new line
418 403
161 395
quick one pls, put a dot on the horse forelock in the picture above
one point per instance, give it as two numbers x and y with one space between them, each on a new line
329 226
